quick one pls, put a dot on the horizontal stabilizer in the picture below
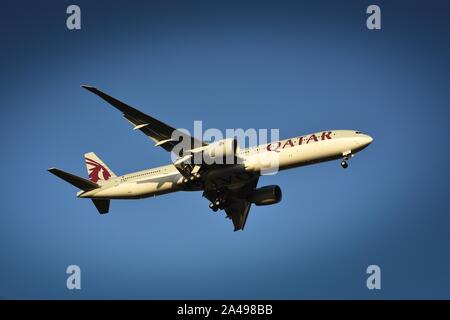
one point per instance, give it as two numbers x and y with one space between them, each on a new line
74 180
101 205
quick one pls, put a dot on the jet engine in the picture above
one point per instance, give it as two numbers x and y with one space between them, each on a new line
223 149
265 195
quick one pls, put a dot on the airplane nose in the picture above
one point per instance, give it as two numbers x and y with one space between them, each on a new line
367 140
363 140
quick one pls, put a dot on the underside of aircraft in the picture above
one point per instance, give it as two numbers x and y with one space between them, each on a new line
229 186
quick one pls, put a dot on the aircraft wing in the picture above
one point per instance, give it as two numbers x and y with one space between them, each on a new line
238 213
237 207
156 130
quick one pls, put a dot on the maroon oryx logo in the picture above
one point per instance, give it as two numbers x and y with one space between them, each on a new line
95 169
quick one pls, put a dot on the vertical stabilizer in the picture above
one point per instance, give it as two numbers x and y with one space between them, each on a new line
98 171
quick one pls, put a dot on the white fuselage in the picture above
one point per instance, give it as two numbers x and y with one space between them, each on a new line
280 155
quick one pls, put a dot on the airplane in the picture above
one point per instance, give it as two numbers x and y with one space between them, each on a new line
229 187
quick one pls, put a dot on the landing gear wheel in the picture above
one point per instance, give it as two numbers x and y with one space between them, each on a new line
344 164
213 207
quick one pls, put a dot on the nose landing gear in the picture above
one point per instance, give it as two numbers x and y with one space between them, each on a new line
346 156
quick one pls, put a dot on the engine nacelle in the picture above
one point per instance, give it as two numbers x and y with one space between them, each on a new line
265 196
221 150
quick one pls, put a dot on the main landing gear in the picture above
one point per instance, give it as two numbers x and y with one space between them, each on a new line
344 164
218 201
217 204
191 177
213 206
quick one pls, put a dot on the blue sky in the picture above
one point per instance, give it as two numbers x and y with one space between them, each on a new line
297 66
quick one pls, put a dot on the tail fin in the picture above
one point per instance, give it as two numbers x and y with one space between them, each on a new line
97 170
74 180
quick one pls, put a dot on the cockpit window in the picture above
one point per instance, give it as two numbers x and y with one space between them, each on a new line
358 132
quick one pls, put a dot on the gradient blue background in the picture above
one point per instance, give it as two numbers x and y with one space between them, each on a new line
300 67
